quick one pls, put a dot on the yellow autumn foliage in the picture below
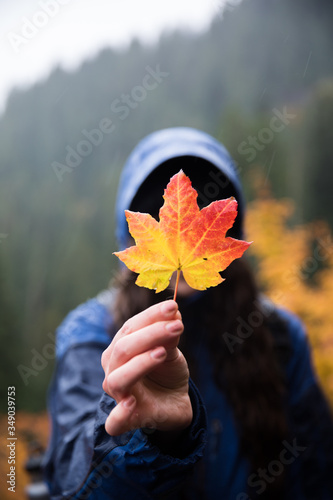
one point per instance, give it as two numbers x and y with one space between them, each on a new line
295 269
30 428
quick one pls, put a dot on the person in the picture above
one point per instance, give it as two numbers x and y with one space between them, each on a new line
213 397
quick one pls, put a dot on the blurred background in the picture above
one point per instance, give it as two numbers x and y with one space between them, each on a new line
82 82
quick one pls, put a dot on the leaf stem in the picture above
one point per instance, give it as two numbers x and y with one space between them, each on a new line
176 287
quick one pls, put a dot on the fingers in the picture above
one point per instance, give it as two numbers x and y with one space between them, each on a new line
164 311
120 381
163 333
118 421
158 312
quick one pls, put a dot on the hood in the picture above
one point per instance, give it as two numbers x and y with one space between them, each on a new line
160 147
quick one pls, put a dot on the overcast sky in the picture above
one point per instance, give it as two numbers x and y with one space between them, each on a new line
35 36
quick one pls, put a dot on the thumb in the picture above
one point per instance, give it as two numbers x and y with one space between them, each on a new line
119 420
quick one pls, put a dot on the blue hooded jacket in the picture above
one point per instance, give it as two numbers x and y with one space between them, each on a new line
83 461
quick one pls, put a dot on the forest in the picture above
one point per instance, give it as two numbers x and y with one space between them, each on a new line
260 80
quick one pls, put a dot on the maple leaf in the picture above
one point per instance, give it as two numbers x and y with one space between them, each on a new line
185 239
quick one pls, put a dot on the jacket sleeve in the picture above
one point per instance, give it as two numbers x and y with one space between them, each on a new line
311 440
82 460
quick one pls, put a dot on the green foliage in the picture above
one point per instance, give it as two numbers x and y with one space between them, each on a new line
317 155
11 350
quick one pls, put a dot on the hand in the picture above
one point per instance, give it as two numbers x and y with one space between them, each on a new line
146 373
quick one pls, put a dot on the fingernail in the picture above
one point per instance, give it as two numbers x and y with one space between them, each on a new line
174 326
129 402
158 353
169 308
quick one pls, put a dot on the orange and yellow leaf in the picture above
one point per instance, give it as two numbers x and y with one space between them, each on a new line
185 239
